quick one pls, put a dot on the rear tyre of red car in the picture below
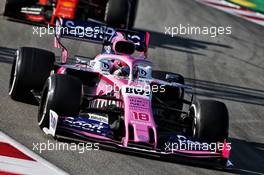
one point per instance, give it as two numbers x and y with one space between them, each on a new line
121 13
13 7
62 94
31 67
211 120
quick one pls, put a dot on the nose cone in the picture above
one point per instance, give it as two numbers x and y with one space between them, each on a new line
139 122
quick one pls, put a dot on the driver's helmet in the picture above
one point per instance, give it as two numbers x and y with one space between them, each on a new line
104 65
120 68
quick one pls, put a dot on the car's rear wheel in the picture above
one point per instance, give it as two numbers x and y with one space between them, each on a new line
62 94
133 13
13 7
171 95
120 13
163 75
211 120
168 97
31 67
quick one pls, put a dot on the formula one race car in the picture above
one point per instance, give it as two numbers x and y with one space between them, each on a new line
116 99
116 13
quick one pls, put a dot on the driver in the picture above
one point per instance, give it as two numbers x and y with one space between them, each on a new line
120 68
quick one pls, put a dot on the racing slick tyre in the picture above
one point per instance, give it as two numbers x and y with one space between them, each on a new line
13 7
211 120
133 12
62 94
161 75
2 6
120 13
171 94
30 69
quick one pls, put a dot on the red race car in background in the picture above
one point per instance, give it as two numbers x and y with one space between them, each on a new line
116 13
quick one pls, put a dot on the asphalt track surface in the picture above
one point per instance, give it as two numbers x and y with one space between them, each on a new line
229 68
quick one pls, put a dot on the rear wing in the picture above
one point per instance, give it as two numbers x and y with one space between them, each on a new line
96 32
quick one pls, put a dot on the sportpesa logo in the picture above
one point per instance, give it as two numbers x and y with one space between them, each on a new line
94 127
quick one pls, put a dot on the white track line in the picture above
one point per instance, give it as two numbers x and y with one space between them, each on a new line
20 166
235 10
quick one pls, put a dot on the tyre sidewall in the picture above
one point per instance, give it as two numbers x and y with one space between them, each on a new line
63 96
210 120
116 14
32 67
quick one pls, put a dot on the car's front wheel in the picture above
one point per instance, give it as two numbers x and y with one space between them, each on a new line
210 120
62 94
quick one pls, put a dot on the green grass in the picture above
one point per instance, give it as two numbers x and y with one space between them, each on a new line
256 5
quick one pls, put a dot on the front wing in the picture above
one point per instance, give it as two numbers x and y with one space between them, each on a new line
83 129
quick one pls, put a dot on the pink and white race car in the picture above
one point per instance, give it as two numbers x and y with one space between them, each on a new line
117 100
